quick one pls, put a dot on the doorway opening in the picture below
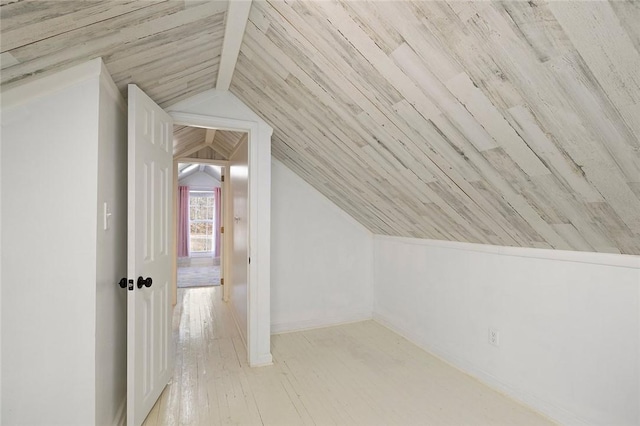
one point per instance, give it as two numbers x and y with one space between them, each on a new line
199 236
206 206
247 280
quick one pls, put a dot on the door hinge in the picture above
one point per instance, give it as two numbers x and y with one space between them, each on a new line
221 281
249 260
222 229
222 178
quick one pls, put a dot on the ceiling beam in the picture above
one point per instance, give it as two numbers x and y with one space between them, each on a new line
187 171
190 149
210 136
237 17
178 151
238 145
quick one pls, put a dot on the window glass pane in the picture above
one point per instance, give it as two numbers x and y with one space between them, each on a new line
201 208
201 221
201 228
200 244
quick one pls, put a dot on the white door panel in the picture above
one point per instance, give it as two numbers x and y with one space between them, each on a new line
149 356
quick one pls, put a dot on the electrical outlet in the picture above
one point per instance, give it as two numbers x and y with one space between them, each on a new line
494 337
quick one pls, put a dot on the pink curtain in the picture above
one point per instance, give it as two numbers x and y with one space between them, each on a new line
217 218
183 221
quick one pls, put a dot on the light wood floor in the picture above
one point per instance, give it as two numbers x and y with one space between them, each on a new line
355 374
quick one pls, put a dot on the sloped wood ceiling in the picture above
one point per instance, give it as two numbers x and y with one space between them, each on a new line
170 49
511 123
197 142
514 123
227 142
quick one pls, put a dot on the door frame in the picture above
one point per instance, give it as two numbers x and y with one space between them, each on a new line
224 257
259 270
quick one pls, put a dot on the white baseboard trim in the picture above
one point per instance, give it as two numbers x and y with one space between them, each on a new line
121 415
310 324
545 408
264 360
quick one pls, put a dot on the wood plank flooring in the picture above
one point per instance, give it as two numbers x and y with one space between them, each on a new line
355 374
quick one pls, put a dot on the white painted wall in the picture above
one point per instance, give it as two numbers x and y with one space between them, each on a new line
48 251
322 259
238 279
200 180
54 275
569 322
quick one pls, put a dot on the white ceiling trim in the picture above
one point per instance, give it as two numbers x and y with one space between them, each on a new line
222 163
237 17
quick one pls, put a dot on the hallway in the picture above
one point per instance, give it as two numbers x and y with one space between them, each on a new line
199 272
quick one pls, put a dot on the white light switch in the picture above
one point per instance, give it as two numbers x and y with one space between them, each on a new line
107 216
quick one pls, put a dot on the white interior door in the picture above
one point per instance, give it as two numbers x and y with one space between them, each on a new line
149 348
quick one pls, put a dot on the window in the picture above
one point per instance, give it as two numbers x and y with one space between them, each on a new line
201 224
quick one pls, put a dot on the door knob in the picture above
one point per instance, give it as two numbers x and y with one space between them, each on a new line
123 283
143 282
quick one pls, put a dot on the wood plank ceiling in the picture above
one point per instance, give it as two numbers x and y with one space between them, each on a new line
170 49
510 123
209 144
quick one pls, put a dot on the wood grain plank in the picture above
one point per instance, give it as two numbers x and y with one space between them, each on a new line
415 68
495 124
511 123
596 33
82 14
86 35
20 13
373 109
109 42
557 160
393 169
628 13
528 18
